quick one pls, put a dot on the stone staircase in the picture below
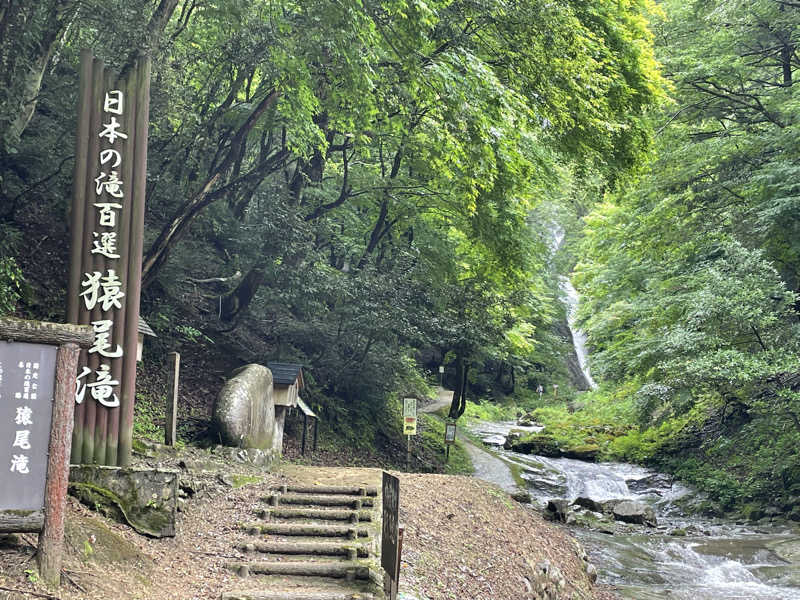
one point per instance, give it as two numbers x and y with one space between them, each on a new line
312 542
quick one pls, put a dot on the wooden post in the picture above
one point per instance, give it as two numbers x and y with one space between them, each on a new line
51 540
316 426
305 428
170 433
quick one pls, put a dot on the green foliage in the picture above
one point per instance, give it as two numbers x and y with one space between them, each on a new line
149 418
11 285
491 411
690 275
431 438
352 186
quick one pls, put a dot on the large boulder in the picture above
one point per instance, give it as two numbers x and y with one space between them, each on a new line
244 413
557 510
639 513
586 452
540 444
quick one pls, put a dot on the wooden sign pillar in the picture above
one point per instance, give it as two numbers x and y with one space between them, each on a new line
38 364
107 224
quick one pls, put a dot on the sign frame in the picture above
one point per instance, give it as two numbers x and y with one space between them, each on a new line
409 416
49 522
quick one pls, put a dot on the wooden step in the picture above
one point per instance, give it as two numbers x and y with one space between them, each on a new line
305 529
355 502
311 548
341 570
353 516
330 489
297 595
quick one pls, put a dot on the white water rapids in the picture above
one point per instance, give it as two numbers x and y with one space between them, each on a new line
716 559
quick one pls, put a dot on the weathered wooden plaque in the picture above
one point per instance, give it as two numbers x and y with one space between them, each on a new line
390 550
27 376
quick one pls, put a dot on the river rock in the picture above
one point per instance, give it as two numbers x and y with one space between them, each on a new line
541 444
558 509
585 452
513 436
788 550
591 571
521 496
545 483
525 420
639 513
656 482
599 506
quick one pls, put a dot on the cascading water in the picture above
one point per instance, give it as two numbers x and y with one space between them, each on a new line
571 300
711 559
578 336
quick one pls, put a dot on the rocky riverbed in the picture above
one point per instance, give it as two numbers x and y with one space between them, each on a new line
647 534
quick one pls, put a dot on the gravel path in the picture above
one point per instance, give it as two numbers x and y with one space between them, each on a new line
490 468
487 466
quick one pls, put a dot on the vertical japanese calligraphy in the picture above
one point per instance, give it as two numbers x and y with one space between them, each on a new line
107 224
104 289
26 394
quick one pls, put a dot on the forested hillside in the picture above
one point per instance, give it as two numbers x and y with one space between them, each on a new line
690 276
367 188
373 189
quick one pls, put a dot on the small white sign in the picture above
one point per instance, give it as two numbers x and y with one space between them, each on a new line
409 407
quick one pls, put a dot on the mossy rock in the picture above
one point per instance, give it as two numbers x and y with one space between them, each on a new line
144 499
587 452
93 541
541 444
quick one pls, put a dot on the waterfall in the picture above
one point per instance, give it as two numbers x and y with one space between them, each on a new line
578 336
571 299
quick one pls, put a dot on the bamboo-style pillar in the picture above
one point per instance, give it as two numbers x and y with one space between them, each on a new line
139 181
103 432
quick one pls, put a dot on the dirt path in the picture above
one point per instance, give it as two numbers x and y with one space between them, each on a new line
445 399
488 467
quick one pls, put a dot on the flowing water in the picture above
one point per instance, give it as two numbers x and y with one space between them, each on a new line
578 336
715 559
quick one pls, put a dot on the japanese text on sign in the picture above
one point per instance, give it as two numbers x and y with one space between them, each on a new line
104 289
409 416
26 388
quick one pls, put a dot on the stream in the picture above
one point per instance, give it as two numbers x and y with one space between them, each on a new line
710 559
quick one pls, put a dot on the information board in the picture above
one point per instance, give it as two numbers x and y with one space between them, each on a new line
450 433
27 378
409 416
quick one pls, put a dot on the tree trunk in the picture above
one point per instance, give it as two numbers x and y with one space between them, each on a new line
59 16
459 403
239 299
